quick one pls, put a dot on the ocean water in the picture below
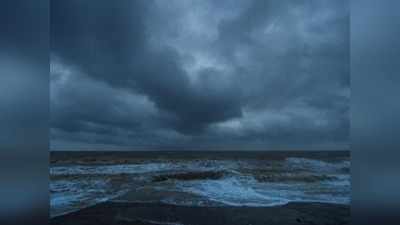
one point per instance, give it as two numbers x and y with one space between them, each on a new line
229 179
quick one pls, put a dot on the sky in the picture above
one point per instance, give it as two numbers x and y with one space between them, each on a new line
199 75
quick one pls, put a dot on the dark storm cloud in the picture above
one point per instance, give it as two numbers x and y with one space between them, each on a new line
201 74
109 43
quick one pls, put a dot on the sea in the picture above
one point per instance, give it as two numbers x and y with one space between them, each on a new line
197 178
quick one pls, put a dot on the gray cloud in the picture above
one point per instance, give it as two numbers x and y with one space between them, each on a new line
200 74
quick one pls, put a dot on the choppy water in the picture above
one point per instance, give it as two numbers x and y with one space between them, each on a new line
202 182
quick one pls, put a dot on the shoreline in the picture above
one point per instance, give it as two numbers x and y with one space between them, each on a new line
139 213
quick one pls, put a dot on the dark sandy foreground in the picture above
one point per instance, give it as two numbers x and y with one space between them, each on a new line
113 213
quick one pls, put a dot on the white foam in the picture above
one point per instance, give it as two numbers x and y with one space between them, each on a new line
68 196
245 191
230 191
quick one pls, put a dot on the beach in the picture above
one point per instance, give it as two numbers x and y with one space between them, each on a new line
161 214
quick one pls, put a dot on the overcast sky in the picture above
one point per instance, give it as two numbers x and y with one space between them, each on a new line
199 75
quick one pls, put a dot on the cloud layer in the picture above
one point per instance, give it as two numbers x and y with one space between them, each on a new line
193 75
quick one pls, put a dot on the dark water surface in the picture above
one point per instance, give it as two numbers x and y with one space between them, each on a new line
201 179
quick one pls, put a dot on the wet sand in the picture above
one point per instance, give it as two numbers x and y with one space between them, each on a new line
119 213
